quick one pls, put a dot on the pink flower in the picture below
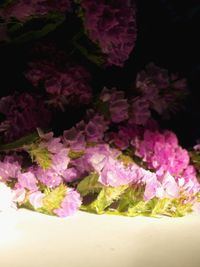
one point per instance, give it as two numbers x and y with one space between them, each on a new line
167 188
117 104
60 161
170 186
162 152
140 111
163 92
65 84
36 199
9 168
152 190
19 194
48 177
114 173
74 139
96 128
70 204
24 115
54 145
23 9
27 180
70 174
111 25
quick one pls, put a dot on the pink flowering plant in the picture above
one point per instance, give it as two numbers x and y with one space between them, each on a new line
111 154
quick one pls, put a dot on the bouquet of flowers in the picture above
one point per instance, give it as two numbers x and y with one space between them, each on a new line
116 159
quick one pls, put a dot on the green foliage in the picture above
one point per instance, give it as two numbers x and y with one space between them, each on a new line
75 154
130 198
22 32
40 155
53 199
88 49
89 185
103 108
128 201
20 143
105 198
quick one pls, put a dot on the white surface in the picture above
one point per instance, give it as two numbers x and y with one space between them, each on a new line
28 239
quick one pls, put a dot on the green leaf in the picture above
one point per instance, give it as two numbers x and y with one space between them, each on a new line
53 199
125 159
26 205
89 185
22 32
138 209
88 49
159 206
106 197
130 198
75 154
179 208
40 155
103 108
20 143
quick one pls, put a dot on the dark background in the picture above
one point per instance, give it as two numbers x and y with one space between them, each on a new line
168 33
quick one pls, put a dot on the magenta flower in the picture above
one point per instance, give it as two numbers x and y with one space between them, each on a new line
70 174
19 194
125 136
36 198
115 173
96 128
23 9
23 115
170 186
9 168
74 139
112 26
165 187
48 177
70 204
162 153
97 156
60 161
28 181
140 112
93 159
54 145
152 189
152 79
188 180
117 104
164 93
67 85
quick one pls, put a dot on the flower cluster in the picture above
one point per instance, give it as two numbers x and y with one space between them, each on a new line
65 84
117 153
150 175
114 104
23 9
163 154
23 114
42 184
160 91
112 26
114 158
